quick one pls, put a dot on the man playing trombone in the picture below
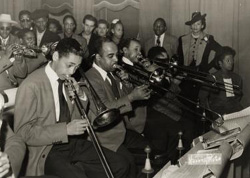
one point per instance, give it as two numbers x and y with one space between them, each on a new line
116 94
50 123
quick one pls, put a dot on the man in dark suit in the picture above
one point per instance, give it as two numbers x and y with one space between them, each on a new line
43 35
116 94
161 38
50 123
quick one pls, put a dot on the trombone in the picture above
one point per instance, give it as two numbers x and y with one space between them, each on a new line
104 118
159 81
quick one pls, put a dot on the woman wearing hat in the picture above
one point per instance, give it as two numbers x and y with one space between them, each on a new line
198 49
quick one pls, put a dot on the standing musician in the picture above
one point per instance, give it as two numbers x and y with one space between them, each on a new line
115 94
51 126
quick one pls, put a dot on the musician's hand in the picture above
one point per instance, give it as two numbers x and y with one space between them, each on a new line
76 127
4 164
9 50
140 93
123 75
78 89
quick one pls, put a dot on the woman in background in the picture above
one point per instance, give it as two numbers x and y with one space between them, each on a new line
54 26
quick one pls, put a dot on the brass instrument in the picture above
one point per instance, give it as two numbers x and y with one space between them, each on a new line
206 79
159 82
105 117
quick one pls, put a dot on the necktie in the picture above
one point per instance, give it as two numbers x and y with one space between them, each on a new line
158 41
64 115
114 86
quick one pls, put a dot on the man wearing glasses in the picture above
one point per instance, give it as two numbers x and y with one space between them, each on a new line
6 37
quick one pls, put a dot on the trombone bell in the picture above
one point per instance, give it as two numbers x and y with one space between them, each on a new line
106 117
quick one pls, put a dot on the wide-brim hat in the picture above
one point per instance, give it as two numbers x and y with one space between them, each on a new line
39 13
7 19
196 16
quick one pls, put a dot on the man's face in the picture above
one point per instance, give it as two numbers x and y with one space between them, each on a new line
41 24
197 27
109 57
159 27
29 39
5 29
69 26
227 63
102 29
133 51
66 65
88 27
25 21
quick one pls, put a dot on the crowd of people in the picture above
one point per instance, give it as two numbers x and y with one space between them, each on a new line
48 137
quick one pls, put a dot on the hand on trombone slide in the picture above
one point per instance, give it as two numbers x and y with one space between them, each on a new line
74 88
140 93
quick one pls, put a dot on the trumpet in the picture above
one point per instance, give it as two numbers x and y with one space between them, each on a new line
104 118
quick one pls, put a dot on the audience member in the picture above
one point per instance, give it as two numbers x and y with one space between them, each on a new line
25 22
43 36
89 24
117 32
161 38
102 28
69 27
227 99
54 26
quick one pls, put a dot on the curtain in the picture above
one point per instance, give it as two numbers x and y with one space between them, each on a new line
13 7
80 9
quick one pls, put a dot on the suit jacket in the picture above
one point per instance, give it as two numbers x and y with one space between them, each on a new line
35 120
8 78
14 146
12 40
48 37
170 43
208 51
92 41
82 41
113 137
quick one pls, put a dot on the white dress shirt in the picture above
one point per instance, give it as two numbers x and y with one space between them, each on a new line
53 77
127 61
4 41
161 39
39 37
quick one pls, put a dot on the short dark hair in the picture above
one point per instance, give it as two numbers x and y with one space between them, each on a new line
161 19
126 43
69 45
89 17
103 21
71 17
225 51
23 12
56 22
99 44
23 32
155 51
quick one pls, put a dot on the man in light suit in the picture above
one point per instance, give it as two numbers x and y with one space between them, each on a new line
50 123
116 94
161 38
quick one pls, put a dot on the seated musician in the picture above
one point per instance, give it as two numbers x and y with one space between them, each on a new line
225 100
16 65
117 94
12 146
50 123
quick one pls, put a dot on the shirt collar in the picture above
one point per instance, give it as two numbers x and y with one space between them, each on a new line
52 75
6 39
161 38
101 71
38 33
127 61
